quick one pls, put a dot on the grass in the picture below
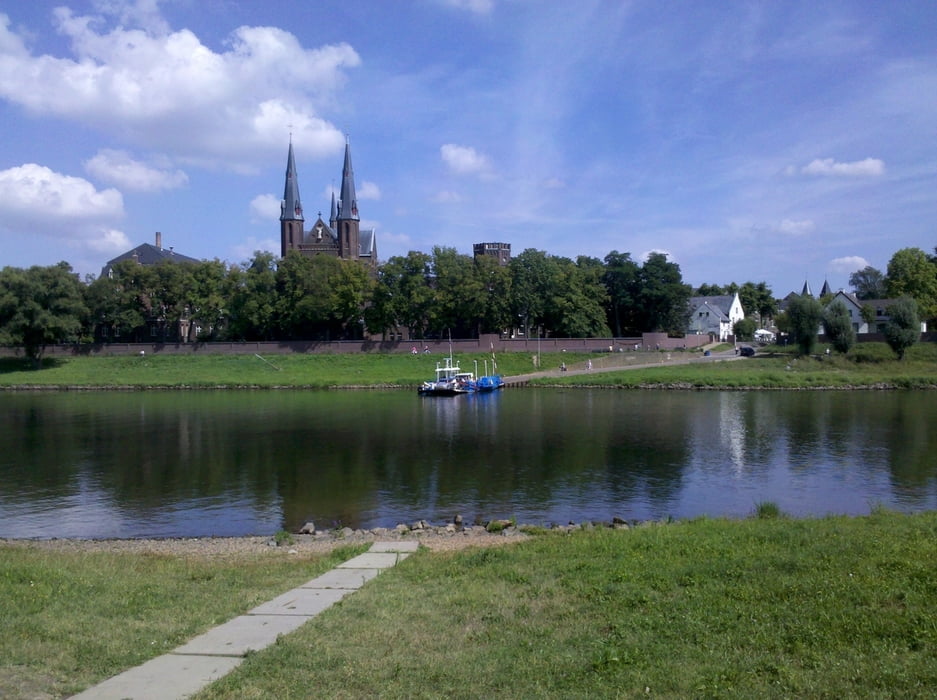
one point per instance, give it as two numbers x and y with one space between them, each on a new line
866 366
763 607
226 371
836 607
72 619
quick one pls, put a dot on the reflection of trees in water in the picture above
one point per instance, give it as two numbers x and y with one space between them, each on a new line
354 457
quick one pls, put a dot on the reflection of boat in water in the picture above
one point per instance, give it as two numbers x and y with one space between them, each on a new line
449 381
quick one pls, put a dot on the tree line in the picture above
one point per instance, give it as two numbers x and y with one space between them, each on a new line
423 295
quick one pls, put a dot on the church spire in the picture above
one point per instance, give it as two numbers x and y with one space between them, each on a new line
348 203
290 208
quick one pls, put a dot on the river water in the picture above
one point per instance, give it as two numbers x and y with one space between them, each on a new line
186 464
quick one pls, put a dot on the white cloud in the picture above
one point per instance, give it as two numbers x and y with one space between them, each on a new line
169 91
118 168
35 200
265 208
795 228
480 7
110 241
447 197
859 168
848 264
464 160
368 190
244 251
647 253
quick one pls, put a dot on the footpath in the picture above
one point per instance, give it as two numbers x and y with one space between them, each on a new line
187 669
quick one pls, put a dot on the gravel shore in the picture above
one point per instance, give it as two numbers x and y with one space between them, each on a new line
435 539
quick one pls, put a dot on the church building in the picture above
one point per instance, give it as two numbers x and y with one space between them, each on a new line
342 237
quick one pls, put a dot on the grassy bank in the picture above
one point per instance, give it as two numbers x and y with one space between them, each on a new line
871 365
766 607
71 619
210 371
868 365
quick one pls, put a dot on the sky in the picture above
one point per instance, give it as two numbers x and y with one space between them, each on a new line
749 141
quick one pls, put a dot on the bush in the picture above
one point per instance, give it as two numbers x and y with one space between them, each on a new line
903 328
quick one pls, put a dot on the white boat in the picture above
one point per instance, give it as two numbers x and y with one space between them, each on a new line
450 381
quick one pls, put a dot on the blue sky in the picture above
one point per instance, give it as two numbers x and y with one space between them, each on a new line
771 141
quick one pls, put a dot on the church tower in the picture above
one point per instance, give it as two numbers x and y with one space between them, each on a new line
291 210
347 224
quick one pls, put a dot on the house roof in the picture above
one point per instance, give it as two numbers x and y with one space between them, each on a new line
723 302
148 254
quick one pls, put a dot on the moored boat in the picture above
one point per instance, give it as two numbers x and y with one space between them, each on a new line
450 381
489 383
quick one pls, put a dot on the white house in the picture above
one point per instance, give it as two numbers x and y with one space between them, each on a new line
715 316
854 307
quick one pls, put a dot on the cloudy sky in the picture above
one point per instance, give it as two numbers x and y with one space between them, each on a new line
771 141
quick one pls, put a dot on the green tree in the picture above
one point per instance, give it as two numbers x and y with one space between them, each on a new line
663 299
804 315
251 289
458 293
534 279
709 290
40 306
904 326
837 325
494 310
577 308
621 285
758 299
868 283
403 296
745 329
867 313
911 273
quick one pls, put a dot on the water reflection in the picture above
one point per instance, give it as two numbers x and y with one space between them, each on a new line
228 463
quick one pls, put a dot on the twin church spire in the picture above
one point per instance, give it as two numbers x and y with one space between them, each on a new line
342 236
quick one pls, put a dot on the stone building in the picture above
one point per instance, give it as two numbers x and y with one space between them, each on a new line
341 237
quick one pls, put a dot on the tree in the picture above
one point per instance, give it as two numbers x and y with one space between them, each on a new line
867 312
621 281
40 306
904 326
663 299
709 290
804 315
403 296
744 329
911 273
868 283
757 299
252 294
837 325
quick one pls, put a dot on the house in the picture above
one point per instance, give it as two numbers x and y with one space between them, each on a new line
854 306
341 237
146 254
715 316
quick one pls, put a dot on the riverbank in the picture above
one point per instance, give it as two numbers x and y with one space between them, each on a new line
867 366
766 607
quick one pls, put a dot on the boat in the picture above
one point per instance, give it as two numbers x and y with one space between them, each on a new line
490 382
450 381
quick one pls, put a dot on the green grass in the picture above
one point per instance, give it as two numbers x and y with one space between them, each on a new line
72 619
866 366
837 607
219 371
763 607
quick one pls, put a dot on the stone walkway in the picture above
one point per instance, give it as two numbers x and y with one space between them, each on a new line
189 668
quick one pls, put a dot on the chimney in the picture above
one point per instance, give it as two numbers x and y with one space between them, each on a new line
159 240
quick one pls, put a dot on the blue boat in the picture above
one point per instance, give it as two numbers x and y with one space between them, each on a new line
489 383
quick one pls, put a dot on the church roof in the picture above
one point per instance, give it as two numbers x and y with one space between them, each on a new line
348 202
291 209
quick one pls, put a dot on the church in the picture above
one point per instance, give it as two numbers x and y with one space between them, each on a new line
342 237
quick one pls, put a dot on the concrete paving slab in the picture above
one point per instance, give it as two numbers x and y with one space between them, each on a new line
410 546
351 579
371 560
242 634
167 676
301 601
